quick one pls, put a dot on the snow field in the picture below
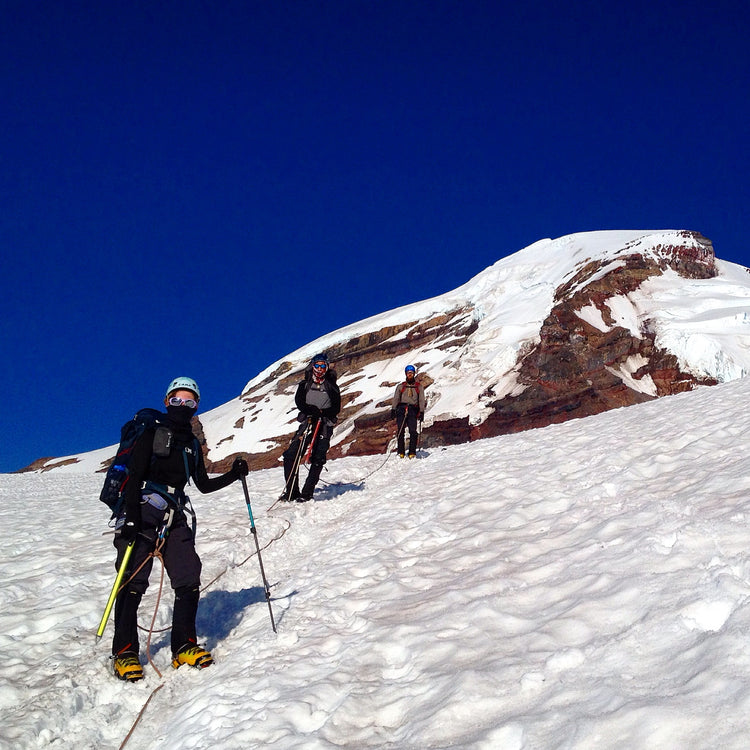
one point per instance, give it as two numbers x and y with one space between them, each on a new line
585 585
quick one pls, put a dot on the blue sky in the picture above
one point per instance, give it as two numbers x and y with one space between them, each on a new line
200 188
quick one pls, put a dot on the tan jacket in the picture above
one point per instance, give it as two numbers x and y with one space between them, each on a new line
411 394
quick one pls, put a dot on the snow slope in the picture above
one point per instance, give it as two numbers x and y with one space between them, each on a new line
580 586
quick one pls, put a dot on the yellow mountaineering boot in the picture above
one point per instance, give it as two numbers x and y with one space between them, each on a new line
193 655
127 666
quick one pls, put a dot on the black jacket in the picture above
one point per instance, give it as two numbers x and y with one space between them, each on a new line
331 388
169 470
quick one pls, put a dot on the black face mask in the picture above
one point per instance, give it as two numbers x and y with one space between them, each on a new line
180 415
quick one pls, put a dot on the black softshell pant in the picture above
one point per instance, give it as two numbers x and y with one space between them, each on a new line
183 567
296 451
406 416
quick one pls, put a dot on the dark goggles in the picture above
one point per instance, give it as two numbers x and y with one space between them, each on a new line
177 401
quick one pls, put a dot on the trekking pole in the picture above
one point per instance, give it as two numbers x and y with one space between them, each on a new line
295 470
115 589
257 547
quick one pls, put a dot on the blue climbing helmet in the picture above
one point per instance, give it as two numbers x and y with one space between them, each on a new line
319 363
184 384
410 368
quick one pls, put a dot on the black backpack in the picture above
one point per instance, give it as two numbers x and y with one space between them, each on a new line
117 474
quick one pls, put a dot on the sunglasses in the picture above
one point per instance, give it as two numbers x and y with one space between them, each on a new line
177 401
320 366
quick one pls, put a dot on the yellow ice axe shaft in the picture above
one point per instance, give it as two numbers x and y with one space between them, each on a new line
115 589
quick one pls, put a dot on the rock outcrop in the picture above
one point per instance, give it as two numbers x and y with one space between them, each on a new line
578 369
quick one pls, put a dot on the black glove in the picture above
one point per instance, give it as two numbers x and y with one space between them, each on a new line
420 416
240 467
129 530
313 411
393 413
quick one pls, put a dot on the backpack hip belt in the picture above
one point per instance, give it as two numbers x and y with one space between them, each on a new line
170 494
155 499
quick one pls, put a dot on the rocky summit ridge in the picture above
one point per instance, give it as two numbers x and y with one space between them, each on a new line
562 329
